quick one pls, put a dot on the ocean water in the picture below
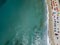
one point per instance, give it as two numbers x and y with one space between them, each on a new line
23 22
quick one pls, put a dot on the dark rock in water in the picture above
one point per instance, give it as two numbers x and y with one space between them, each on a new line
21 44
16 42
2 2
7 42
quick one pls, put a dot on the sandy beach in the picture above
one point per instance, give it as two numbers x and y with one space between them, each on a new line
50 32
52 37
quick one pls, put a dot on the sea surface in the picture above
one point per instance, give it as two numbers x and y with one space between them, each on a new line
23 22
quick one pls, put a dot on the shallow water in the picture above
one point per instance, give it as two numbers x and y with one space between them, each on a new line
23 22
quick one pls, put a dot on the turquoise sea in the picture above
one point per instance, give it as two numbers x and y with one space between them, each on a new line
23 22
